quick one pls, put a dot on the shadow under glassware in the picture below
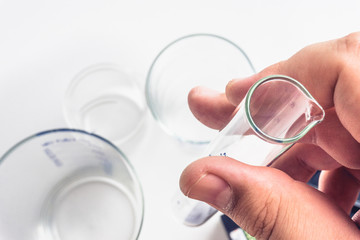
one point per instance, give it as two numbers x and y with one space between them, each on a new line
276 112
193 60
68 184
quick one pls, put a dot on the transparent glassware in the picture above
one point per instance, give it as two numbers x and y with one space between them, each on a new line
68 184
192 60
276 112
106 100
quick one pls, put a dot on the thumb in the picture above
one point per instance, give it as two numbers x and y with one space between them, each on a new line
265 202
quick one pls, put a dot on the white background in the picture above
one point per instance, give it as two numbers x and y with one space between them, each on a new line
43 44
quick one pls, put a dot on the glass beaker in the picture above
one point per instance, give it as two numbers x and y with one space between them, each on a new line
276 112
68 184
193 60
105 100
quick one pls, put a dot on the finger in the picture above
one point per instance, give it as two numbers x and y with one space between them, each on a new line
356 218
265 202
347 98
347 91
329 70
210 107
336 140
236 89
303 160
341 186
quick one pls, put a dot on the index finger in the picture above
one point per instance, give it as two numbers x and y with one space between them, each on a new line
329 70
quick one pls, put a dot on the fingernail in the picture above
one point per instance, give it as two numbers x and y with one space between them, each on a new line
213 190
232 81
207 91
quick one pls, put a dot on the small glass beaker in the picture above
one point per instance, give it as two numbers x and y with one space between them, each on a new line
105 100
194 60
276 112
68 184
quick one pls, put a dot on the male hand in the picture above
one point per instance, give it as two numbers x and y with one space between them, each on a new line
276 203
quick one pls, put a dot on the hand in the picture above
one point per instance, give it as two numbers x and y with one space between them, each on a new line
276 203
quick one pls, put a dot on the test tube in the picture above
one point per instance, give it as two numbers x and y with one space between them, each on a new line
276 112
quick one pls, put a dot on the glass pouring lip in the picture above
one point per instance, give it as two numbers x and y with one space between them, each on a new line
263 134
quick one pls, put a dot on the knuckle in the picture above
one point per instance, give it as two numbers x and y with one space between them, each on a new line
351 43
266 219
257 218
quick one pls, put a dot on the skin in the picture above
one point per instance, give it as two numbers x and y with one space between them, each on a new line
275 202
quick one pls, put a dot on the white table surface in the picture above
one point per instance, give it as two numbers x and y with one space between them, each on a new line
43 44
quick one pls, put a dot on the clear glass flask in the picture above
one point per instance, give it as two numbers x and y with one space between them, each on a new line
276 112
